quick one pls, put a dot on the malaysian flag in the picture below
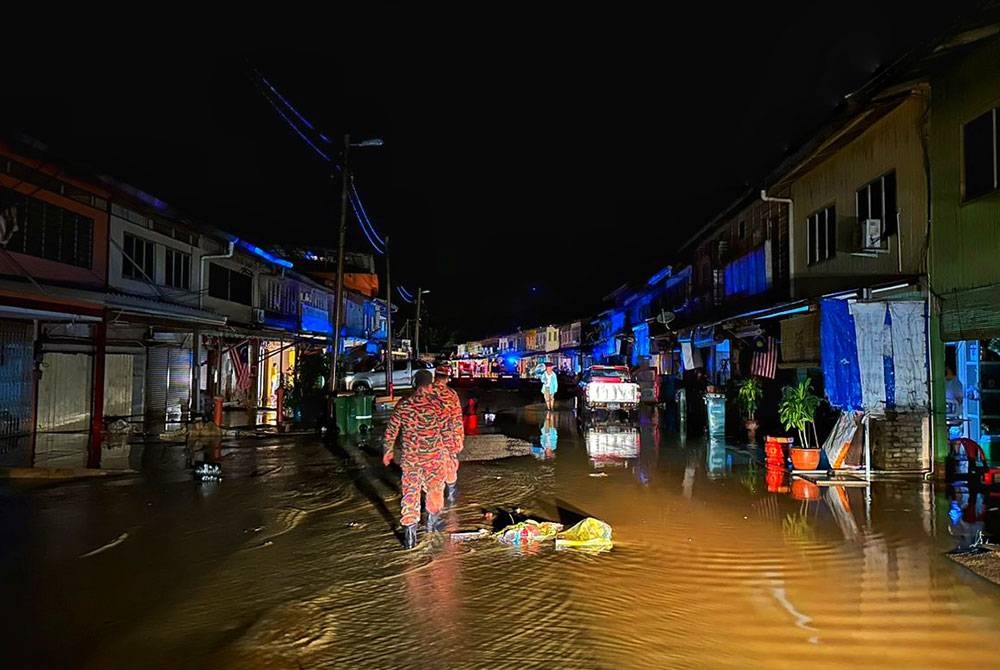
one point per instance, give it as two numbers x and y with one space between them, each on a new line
765 359
238 357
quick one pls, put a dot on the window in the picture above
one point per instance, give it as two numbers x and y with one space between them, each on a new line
231 285
822 235
742 229
40 229
178 269
137 258
980 155
877 200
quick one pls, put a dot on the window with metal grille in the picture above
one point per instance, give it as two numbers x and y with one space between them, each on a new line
821 235
981 154
41 229
137 258
177 272
877 200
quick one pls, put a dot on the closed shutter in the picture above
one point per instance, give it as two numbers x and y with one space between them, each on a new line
168 382
118 379
64 392
17 389
971 315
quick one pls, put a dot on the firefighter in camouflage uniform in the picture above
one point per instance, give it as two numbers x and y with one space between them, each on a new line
454 429
422 419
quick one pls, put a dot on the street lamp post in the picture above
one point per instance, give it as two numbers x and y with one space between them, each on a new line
338 308
417 338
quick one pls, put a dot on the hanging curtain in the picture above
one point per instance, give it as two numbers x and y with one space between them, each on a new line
909 353
869 329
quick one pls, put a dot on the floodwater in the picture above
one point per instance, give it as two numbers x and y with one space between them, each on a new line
290 562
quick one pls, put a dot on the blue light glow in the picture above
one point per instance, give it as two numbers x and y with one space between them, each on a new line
795 310
659 276
357 196
359 215
289 105
291 124
315 320
266 255
401 295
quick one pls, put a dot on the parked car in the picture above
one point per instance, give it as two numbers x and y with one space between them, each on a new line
607 388
374 379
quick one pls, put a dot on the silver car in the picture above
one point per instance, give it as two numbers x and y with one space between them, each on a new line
374 379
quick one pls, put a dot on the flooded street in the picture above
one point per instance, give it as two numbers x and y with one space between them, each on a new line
290 562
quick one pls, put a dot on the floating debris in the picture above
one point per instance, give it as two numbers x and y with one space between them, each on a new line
114 543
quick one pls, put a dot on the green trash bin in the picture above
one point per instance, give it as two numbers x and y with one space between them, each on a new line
343 411
362 413
716 403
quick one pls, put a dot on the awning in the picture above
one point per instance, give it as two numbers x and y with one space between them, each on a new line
971 315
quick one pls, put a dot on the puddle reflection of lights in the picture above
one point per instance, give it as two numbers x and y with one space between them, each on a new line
612 444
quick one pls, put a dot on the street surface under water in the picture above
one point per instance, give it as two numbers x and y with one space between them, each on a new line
291 562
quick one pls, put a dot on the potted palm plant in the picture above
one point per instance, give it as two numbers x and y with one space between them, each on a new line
797 410
748 396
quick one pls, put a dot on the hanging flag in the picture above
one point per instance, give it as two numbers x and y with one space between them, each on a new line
240 367
765 361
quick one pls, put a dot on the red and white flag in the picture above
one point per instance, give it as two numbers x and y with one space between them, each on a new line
240 366
765 362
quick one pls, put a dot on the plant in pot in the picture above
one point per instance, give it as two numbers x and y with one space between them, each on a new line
797 410
748 396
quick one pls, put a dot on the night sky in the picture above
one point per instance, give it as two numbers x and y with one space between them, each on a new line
534 159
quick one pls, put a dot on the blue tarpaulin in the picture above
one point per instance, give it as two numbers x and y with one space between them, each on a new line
747 275
839 355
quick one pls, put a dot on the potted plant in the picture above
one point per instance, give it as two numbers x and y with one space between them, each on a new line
748 396
797 410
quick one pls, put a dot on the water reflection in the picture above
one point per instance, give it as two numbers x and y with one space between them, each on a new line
612 445
967 517
548 439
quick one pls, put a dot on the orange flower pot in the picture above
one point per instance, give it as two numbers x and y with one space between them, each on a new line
804 490
804 459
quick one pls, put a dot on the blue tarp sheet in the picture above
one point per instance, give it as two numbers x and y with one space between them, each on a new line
839 355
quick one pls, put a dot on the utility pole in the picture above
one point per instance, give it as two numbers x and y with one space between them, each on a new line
388 322
417 339
331 382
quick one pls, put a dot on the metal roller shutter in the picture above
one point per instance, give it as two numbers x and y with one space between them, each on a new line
17 389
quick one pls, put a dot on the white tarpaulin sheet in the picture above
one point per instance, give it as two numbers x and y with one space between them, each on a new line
909 353
869 327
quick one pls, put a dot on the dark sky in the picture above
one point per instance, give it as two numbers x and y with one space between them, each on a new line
533 161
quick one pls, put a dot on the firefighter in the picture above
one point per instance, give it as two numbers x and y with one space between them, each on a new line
454 428
421 420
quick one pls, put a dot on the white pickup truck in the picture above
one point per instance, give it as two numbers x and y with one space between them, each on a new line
607 387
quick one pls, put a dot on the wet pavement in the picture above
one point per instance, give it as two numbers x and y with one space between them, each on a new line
290 562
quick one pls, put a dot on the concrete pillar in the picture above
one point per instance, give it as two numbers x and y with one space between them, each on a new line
97 403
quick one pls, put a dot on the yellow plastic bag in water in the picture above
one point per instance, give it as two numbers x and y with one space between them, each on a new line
590 533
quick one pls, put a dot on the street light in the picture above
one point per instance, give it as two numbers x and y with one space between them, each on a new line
338 307
417 338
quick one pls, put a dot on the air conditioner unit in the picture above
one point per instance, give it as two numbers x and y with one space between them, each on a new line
258 315
872 236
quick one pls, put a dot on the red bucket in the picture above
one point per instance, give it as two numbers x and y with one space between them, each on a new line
775 448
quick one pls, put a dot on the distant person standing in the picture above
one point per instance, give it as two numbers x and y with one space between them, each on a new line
550 384
421 420
954 397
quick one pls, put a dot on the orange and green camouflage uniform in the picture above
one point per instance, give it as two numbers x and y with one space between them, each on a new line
454 429
421 418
